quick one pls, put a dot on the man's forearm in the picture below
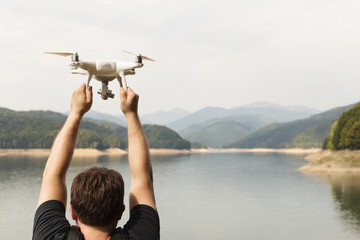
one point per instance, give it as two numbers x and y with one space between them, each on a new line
63 147
139 157
53 185
141 188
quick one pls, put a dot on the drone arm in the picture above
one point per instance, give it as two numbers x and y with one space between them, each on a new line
122 75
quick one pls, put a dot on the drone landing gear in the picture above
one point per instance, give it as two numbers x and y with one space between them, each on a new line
122 80
105 92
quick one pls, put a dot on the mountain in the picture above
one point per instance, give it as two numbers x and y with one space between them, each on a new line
37 129
164 117
217 132
300 109
305 133
276 112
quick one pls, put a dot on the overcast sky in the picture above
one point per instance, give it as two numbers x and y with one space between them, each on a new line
208 53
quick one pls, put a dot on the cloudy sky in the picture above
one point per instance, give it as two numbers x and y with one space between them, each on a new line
208 53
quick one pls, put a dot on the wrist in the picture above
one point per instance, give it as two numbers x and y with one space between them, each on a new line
75 115
130 115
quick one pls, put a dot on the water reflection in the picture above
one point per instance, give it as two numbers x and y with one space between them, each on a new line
345 190
346 193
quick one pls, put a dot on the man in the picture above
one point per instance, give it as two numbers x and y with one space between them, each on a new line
96 202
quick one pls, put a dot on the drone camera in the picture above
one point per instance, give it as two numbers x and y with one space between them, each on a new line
105 92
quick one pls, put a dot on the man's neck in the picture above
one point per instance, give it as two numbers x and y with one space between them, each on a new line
94 233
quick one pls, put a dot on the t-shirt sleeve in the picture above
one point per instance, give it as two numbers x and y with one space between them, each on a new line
144 223
50 221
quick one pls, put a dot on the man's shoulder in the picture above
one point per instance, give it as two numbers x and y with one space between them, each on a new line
144 223
50 221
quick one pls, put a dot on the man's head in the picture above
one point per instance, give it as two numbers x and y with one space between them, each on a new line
97 197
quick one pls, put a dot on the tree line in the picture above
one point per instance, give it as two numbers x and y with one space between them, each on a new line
38 129
345 132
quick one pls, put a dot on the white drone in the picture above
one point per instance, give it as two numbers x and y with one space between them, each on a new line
104 71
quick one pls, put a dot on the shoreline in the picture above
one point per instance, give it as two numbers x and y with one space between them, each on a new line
320 161
333 162
91 152
259 150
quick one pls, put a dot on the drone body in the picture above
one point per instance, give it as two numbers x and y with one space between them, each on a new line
104 71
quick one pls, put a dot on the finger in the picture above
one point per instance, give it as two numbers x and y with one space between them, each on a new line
130 91
131 94
83 87
123 94
89 93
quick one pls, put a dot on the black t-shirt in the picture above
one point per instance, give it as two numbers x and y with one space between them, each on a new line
50 223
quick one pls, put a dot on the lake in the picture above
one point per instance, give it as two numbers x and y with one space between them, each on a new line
210 196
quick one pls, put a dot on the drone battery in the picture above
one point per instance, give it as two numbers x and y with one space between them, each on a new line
106 66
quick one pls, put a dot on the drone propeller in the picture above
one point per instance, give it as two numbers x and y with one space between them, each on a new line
140 57
147 58
74 56
64 54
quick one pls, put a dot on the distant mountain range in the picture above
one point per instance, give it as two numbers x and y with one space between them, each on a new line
219 131
277 113
179 119
164 117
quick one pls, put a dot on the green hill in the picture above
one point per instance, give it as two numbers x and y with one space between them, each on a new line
305 133
37 129
345 132
163 137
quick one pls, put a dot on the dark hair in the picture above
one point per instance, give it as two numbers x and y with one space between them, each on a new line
97 196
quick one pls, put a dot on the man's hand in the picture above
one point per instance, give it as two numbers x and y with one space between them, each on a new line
81 100
129 101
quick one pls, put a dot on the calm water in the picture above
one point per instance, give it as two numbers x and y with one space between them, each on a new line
211 196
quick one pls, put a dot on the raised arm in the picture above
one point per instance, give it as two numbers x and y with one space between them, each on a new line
53 185
141 189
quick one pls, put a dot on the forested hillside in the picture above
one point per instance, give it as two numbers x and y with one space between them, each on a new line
37 129
345 132
306 133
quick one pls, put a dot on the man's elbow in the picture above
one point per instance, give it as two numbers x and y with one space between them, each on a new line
51 173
